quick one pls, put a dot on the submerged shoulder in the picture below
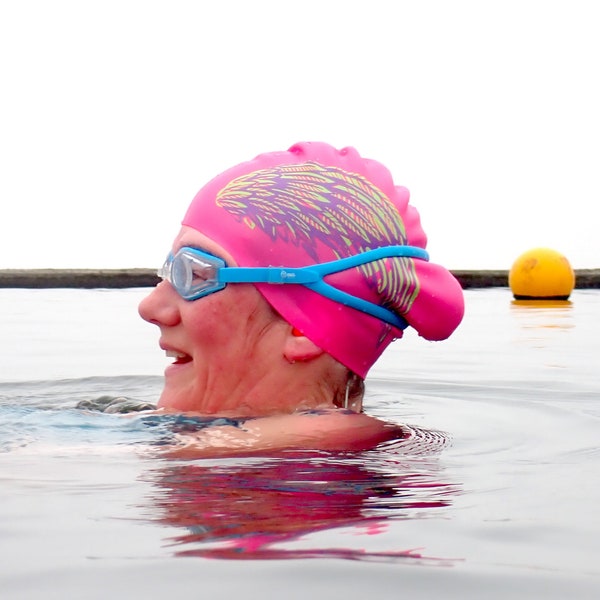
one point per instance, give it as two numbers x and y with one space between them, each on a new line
333 430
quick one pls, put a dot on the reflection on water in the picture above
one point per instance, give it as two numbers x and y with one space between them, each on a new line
543 303
541 324
535 314
293 505
551 314
539 321
262 509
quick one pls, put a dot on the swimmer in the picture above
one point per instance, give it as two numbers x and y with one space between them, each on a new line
290 276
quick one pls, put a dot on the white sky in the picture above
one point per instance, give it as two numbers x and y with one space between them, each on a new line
114 113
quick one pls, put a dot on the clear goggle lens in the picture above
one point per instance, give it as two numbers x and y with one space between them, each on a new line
192 274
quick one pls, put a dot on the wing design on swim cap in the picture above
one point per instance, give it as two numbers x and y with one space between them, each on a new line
308 203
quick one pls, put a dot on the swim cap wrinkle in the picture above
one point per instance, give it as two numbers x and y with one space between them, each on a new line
316 204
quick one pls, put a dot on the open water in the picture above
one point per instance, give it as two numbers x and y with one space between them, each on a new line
496 495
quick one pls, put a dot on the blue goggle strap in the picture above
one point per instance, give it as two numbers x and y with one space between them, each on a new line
312 278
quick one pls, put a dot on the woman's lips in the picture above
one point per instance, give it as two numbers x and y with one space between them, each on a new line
179 365
181 358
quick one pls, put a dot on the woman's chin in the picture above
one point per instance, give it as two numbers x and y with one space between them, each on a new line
171 399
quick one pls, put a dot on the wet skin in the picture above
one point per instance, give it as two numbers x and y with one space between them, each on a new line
234 357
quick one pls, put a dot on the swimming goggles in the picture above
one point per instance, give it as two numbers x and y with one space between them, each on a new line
195 274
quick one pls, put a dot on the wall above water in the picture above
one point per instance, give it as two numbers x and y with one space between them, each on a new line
126 278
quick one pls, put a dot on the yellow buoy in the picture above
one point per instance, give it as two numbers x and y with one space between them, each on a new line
541 273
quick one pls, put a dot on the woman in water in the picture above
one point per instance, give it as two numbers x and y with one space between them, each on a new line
290 276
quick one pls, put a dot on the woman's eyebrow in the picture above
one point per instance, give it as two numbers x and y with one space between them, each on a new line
202 249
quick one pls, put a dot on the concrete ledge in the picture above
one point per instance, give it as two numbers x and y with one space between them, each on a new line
123 278
584 278
77 278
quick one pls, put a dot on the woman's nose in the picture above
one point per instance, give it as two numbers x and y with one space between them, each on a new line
161 306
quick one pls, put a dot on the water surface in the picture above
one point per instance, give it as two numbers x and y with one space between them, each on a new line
495 496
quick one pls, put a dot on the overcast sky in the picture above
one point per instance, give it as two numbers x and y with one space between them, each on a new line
114 113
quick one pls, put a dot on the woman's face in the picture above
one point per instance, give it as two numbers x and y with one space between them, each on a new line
222 345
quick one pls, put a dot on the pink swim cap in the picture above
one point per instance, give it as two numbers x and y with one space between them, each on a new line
315 204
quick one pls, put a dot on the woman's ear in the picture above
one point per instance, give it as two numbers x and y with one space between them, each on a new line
298 348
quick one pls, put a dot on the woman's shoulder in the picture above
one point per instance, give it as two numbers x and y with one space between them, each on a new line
330 429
